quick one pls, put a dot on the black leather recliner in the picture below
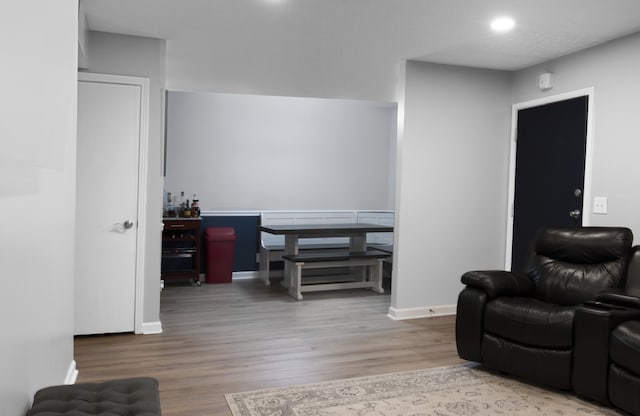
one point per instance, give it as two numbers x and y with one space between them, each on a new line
607 337
522 323
624 369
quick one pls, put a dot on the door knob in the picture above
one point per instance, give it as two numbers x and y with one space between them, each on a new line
575 213
121 227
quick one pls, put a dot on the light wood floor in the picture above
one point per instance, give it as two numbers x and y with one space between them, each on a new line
228 338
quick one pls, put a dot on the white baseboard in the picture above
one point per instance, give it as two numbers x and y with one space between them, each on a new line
244 275
149 328
422 312
72 373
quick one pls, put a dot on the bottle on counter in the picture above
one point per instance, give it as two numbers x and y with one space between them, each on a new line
167 206
195 208
186 212
171 208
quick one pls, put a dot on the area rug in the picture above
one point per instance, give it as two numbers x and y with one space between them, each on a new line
444 391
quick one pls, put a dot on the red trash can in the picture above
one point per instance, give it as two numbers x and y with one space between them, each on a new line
220 247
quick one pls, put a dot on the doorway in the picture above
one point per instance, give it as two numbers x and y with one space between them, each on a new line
550 172
110 203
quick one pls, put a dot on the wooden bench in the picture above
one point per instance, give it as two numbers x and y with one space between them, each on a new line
274 252
371 260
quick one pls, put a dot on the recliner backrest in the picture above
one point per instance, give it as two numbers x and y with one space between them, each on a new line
571 265
633 273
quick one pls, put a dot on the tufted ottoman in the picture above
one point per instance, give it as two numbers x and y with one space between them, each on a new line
124 397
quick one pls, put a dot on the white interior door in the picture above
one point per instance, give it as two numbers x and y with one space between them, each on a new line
109 133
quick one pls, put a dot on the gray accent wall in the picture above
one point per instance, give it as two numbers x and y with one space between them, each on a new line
453 146
612 70
453 157
256 152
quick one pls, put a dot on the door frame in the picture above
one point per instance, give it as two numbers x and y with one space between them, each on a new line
141 239
588 162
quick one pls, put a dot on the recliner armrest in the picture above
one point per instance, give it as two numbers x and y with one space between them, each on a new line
592 326
497 283
629 298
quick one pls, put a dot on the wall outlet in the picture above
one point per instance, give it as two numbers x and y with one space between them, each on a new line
600 205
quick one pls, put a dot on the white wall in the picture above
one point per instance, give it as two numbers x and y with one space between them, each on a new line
143 57
244 152
37 196
452 181
612 69
194 69
283 60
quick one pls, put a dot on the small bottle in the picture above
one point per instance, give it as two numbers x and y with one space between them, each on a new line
195 209
186 212
168 207
172 210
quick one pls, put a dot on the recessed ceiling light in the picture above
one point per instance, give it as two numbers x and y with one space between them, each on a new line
502 24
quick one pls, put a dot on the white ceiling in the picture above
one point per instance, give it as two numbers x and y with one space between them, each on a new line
381 32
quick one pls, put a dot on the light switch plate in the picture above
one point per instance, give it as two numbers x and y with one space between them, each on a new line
600 205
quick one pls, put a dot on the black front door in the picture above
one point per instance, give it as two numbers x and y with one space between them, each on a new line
549 179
